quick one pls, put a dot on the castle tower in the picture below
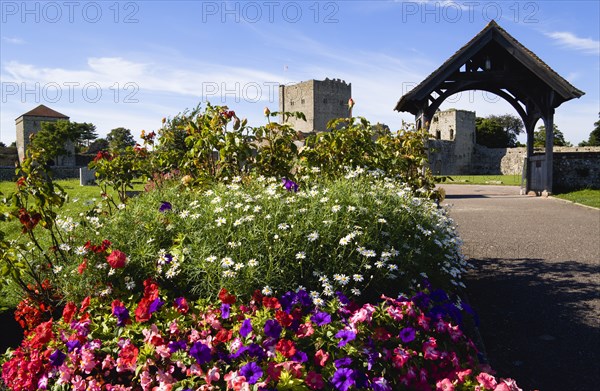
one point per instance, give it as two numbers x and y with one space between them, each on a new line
320 101
31 123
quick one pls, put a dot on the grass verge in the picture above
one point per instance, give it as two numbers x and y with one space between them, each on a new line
509 180
587 197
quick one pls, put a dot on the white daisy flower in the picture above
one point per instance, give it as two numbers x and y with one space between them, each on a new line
301 255
267 291
313 236
220 221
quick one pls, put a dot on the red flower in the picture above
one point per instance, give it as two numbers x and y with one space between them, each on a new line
116 259
68 312
142 312
225 297
271 302
223 336
286 347
21 182
283 318
28 221
82 266
84 304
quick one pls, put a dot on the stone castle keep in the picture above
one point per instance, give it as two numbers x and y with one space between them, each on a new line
320 101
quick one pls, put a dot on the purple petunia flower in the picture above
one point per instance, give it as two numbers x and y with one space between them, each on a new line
165 207
272 328
343 379
381 384
407 334
155 305
122 314
175 346
57 358
201 353
255 350
345 336
342 298
321 318
72 345
343 362
289 184
246 328
300 357
225 311
252 372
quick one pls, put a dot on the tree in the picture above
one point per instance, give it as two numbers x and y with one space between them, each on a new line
52 139
85 134
119 139
498 131
2 145
98 145
539 138
594 139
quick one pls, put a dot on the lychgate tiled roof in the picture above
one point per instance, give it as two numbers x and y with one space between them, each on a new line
492 32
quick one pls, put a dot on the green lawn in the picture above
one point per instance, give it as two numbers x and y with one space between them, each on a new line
512 180
81 199
586 197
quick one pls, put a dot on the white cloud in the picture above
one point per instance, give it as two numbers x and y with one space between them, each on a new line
13 40
571 41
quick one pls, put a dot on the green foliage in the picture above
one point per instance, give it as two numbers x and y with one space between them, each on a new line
498 131
119 139
363 233
49 143
594 139
539 138
97 145
34 204
118 170
276 152
171 148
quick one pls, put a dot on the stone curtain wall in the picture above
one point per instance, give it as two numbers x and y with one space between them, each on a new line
576 170
8 173
574 167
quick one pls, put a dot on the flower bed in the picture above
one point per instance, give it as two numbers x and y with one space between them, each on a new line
365 235
267 343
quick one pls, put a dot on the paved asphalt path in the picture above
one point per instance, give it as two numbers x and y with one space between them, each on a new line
535 284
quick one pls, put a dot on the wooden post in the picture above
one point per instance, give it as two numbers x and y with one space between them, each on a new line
549 124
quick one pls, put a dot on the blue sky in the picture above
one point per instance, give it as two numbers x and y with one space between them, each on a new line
131 63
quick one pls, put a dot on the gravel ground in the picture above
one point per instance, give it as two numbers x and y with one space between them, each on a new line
535 285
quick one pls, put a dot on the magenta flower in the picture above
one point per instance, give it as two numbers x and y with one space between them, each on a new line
343 379
345 336
252 372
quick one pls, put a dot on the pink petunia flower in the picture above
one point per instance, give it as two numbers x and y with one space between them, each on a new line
444 385
486 380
